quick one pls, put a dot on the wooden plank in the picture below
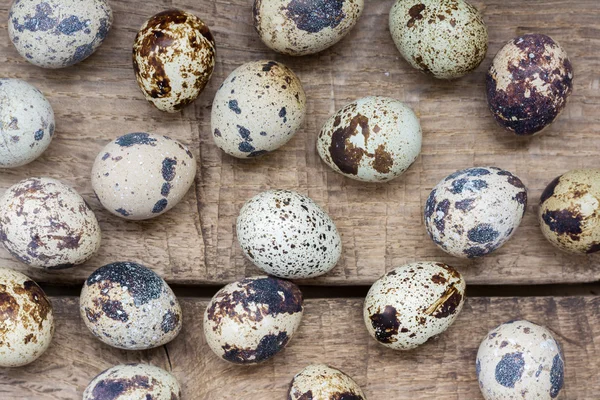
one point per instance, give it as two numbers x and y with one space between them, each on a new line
380 224
332 332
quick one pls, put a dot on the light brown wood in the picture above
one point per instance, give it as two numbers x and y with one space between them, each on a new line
380 224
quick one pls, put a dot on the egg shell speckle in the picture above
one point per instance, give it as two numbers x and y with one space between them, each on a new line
26 319
128 306
251 320
288 235
257 109
46 224
173 59
133 382
58 33
444 38
321 382
26 123
520 360
474 211
528 83
141 175
372 139
413 303
300 27
569 212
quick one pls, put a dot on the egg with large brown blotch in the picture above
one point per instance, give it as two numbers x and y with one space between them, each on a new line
372 139
528 83
413 303
26 319
173 58
321 382
46 224
251 320
569 212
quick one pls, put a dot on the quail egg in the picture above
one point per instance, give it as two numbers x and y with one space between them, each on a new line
58 33
373 139
528 83
288 235
251 320
26 123
258 109
520 360
141 175
321 382
473 212
444 38
46 224
413 303
173 59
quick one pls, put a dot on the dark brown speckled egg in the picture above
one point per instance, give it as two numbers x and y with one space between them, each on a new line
321 382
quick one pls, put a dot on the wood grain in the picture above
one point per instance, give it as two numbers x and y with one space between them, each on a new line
380 223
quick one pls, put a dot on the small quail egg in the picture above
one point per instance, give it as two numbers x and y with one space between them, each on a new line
258 108
140 175
444 38
520 360
128 306
26 319
288 235
58 33
251 320
173 59
46 224
372 139
413 303
473 212
528 83
320 382
298 27
569 211
133 382
26 123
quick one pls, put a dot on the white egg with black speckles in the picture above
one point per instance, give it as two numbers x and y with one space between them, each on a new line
58 33
133 382
26 319
257 109
129 306
473 212
444 38
321 382
520 360
141 175
373 139
26 123
251 320
413 303
46 224
288 235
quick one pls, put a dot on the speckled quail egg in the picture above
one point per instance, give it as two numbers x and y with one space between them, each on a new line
26 123
569 212
133 382
46 224
141 175
58 33
444 38
173 59
473 212
258 109
372 139
26 319
520 360
528 83
288 235
251 320
299 27
320 382
413 303
129 306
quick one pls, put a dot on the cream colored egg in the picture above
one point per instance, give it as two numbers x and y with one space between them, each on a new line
320 382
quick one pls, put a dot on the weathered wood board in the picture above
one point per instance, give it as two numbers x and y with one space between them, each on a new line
380 224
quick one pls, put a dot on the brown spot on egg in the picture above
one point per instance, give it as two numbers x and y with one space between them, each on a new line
415 14
439 279
9 308
549 191
564 222
345 396
42 308
344 154
386 324
446 305
268 346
